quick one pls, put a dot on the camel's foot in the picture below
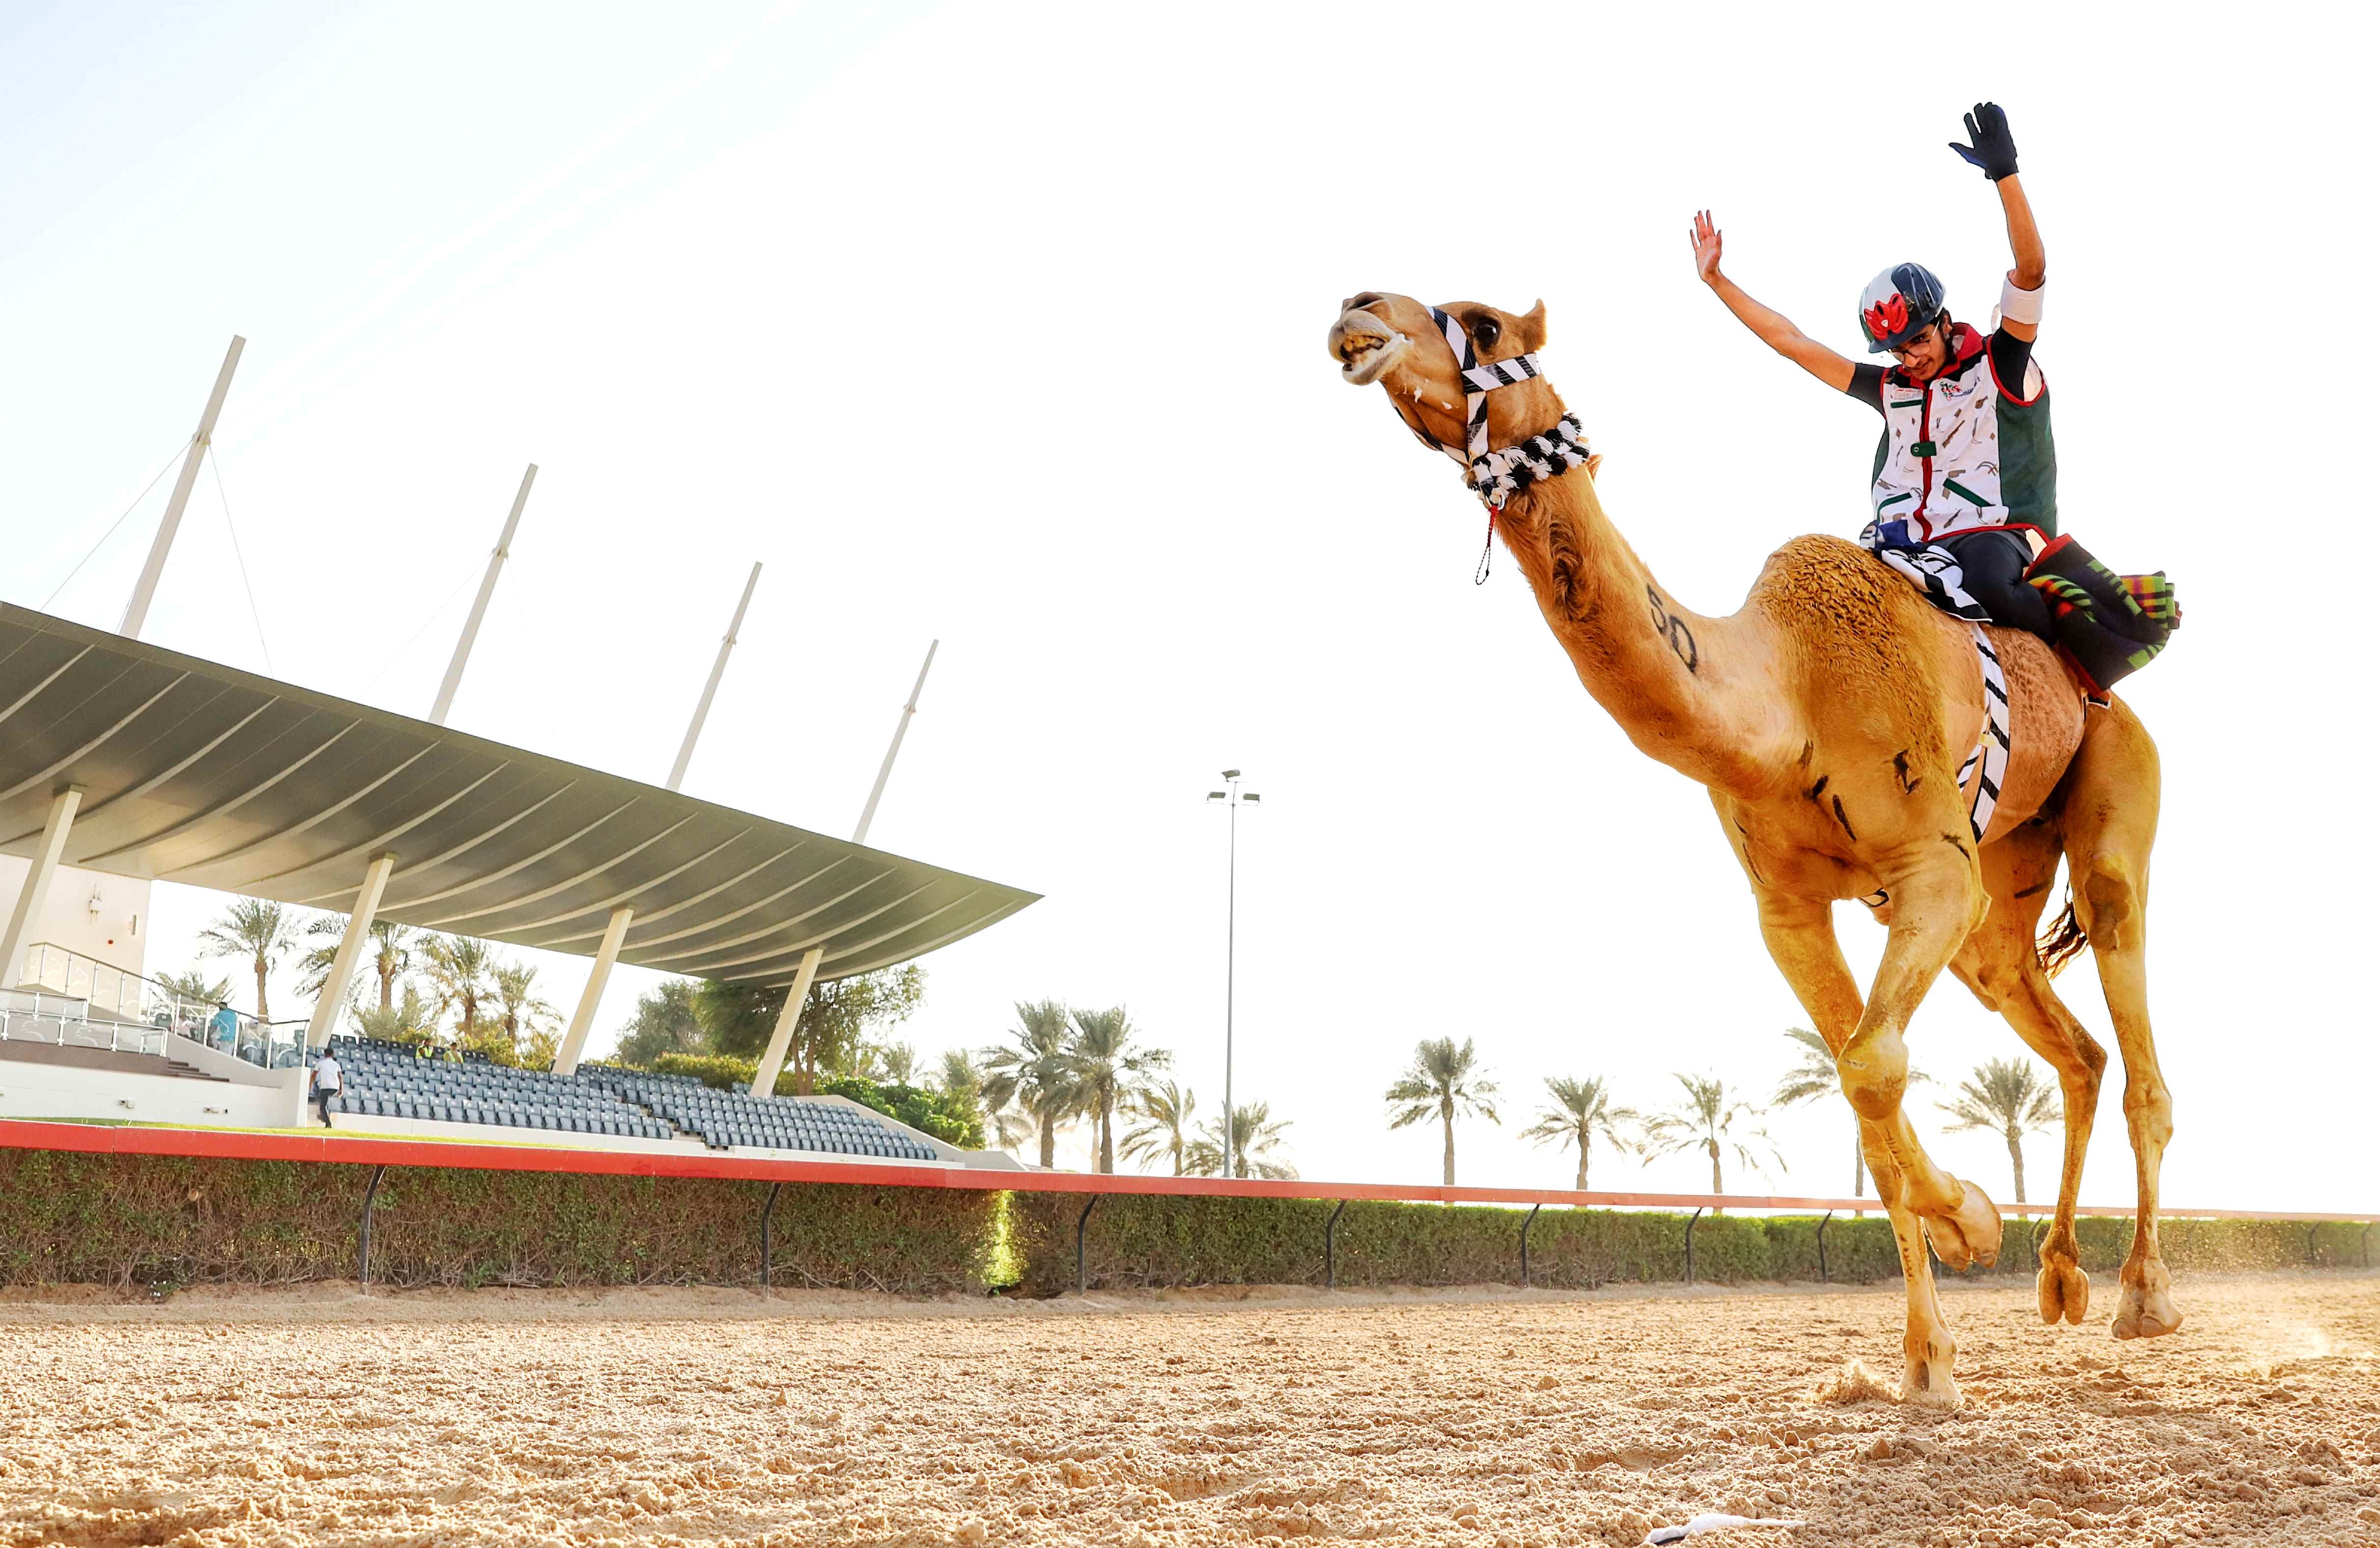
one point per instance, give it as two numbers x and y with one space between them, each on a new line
2063 1288
1969 1234
2144 1307
1925 1376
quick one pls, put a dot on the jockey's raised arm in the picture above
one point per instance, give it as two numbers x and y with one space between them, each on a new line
1993 148
1772 327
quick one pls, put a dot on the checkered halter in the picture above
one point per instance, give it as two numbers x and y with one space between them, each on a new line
1497 476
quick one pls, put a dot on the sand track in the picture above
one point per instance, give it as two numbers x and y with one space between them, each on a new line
699 1417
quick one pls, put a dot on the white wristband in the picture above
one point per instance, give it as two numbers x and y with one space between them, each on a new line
2019 306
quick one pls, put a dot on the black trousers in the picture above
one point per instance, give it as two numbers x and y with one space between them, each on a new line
1994 565
322 1099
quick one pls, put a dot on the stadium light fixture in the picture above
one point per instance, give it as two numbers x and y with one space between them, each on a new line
1234 798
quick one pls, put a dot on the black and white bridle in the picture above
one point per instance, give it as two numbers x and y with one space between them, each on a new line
1496 475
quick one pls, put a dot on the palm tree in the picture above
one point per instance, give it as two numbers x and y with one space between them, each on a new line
1816 1078
1255 1133
1035 1073
1581 1109
519 1009
1441 1083
195 987
389 943
1106 1066
893 1064
458 968
255 928
1706 1121
1164 1109
2008 1095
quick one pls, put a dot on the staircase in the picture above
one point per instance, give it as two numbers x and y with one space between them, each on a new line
122 1061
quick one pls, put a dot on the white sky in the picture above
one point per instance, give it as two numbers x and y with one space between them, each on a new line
1005 325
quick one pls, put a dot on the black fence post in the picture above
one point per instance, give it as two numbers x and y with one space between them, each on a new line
1525 1242
363 1237
767 1242
1691 1221
1330 1249
2367 1244
1081 1225
1824 1278
2309 1257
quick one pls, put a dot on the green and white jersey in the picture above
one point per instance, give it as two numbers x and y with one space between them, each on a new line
1967 451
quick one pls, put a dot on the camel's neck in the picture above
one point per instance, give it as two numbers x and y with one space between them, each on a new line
1688 690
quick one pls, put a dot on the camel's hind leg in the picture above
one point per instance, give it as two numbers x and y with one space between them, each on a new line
1801 936
2111 813
1999 964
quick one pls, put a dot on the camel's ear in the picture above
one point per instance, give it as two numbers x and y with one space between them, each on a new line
1533 328
1594 464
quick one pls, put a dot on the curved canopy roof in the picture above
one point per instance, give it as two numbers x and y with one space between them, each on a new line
198 773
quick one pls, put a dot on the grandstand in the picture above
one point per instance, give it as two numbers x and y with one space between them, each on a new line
123 761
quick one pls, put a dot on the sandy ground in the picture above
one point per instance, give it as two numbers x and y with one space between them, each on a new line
1496 1417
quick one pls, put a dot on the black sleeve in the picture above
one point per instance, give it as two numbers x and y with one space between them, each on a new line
2010 355
1867 384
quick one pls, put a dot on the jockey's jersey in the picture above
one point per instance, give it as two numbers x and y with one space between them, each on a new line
1969 450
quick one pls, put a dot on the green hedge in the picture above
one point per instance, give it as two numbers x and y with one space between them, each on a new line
165 1220
66 1218
1139 1241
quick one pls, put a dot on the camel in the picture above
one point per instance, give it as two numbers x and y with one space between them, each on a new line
1829 718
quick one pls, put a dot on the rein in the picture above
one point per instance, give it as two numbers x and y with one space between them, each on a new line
1497 476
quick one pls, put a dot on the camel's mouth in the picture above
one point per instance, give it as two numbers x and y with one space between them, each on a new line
1365 353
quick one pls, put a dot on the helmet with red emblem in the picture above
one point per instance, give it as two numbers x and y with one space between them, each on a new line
1898 304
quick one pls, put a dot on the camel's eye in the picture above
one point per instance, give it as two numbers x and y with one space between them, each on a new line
1486 331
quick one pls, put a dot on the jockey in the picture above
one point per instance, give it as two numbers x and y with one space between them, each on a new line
1965 483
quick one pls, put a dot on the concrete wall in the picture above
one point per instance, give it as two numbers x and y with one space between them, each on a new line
30 1090
117 935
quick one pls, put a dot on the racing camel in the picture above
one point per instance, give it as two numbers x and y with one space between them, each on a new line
1832 717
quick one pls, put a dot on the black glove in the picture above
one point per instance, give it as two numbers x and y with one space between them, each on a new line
1994 149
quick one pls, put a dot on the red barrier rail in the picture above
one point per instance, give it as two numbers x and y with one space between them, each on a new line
108 1139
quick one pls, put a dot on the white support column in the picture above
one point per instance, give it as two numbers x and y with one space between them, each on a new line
718 669
35 893
867 814
479 605
764 1080
574 1042
333 997
135 612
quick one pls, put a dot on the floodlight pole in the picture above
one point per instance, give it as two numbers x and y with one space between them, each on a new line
1234 798
479 604
900 730
615 929
135 612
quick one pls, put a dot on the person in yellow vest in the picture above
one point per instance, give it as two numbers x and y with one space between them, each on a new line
1964 486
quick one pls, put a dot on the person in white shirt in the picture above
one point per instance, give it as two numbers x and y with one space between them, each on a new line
326 1084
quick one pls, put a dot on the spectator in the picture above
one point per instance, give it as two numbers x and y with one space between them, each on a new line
326 1084
225 1025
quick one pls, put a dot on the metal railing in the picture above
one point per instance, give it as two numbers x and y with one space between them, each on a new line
38 1015
122 1010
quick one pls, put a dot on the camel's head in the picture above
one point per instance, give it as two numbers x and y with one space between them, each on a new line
1392 339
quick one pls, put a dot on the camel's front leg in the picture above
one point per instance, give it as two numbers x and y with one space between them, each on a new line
1801 936
1936 903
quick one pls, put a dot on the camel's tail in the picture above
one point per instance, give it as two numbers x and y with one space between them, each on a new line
2063 941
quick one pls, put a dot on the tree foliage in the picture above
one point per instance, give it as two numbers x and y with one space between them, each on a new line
834 1024
1033 1071
257 929
1163 1133
1580 1112
1443 1084
1104 1067
1712 1120
2011 1097
665 1022
1256 1134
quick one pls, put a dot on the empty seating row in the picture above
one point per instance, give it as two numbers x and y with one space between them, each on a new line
394 1080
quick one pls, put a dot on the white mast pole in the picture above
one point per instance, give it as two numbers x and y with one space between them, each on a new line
615 929
135 612
718 669
900 730
479 605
